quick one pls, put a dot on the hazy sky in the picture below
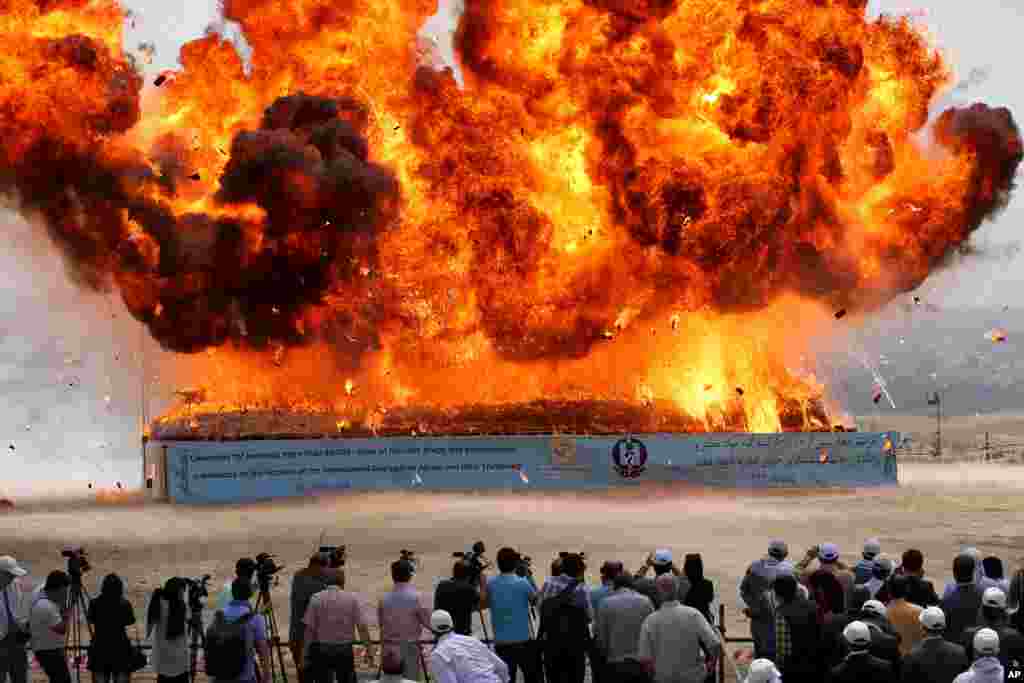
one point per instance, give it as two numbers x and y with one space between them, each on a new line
63 352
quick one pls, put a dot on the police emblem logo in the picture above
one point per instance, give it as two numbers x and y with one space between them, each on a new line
629 457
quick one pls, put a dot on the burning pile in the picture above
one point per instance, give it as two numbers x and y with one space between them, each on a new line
630 202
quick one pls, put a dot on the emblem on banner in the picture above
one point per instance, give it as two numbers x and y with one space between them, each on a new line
563 451
629 457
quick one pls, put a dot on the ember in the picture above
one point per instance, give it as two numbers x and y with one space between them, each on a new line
740 175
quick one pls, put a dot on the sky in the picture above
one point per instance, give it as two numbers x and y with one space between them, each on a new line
63 352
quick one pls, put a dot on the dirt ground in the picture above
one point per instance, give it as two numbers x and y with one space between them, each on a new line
937 508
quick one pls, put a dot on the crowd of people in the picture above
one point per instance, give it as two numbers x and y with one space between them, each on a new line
817 620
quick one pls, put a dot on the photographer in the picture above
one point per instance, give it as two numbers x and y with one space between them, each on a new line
245 569
110 652
305 584
13 624
48 624
165 623
509 597
460 598
661 562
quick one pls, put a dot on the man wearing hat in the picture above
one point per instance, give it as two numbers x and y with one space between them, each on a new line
13 624
986 668
756 582
994 616
860 665
881 571
661 561
864 569
827 555
462 659
885 642
934 659
763 671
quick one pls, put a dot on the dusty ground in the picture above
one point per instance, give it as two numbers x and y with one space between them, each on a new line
938 508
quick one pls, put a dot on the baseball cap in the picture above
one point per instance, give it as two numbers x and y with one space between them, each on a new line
986 642
10 565
933 619
441 621
663 556
994 597
778 548
828 552
857 633
762 671
874 607
872 547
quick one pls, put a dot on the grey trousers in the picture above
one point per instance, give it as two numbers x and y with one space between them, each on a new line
13 661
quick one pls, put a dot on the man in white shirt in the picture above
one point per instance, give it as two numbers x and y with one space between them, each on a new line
674 640
13 624
462 659
392 668
48 624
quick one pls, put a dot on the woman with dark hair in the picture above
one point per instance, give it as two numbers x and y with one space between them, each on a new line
701 593
111 652
828 595
165 623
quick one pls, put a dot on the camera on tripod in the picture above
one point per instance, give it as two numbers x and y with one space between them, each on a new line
525 566
197 590
475 561
410 557
266 568
334 554
78 562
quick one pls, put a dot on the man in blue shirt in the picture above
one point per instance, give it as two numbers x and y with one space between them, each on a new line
255 632
509 598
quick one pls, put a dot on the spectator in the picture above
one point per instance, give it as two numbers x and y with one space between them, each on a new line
661 562
460 598
609 570
702 592
48 624
920 590
828 595
392 668
166 625
255 629
860 665
881 572
828 561
403 616
617 631
865 567
757 580
307 582
833 644
673 638
509 597
332 620
992 568
461 659
13 623
934 659
986 668
978 577
993 616
111 651
763 671
565 627
904 616
797 633
962 607
766 606
245 569
885 642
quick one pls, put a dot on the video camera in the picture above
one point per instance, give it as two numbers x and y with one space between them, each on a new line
410 557
525 566
197 590
334 554
265 569
475 561
78 562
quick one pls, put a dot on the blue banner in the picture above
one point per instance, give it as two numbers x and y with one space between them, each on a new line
224 472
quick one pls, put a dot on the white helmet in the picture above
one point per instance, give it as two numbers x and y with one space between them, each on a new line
874 607
763 671
986 642
857 633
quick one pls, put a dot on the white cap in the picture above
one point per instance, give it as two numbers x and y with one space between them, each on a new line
762 671
828 552
10 565
874 607
662 556
986 642
857 633
441 621
933 619
994 597
872 547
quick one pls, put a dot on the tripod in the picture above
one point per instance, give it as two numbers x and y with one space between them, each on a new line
196 637
77 606
266 607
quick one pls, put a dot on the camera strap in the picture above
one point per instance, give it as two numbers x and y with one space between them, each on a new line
7 610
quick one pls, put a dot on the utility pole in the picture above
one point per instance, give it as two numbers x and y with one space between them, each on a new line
936 401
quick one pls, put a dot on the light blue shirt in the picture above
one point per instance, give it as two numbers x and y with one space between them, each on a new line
509 597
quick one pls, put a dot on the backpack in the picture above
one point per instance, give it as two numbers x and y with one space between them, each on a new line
562 621
227 652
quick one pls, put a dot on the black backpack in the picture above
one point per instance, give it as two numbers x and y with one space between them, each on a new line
227 653
562 621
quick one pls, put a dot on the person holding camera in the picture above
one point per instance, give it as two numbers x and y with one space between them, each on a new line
166 624
509 597
14 634
661 562
48 622
306 583
460 598
111 651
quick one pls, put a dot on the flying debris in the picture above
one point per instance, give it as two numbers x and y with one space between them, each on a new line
11 446
877 396
160 80
997 335
917 300
194 176
739 391
707 387
840 314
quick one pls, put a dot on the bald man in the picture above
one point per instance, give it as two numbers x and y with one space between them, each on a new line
677 644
